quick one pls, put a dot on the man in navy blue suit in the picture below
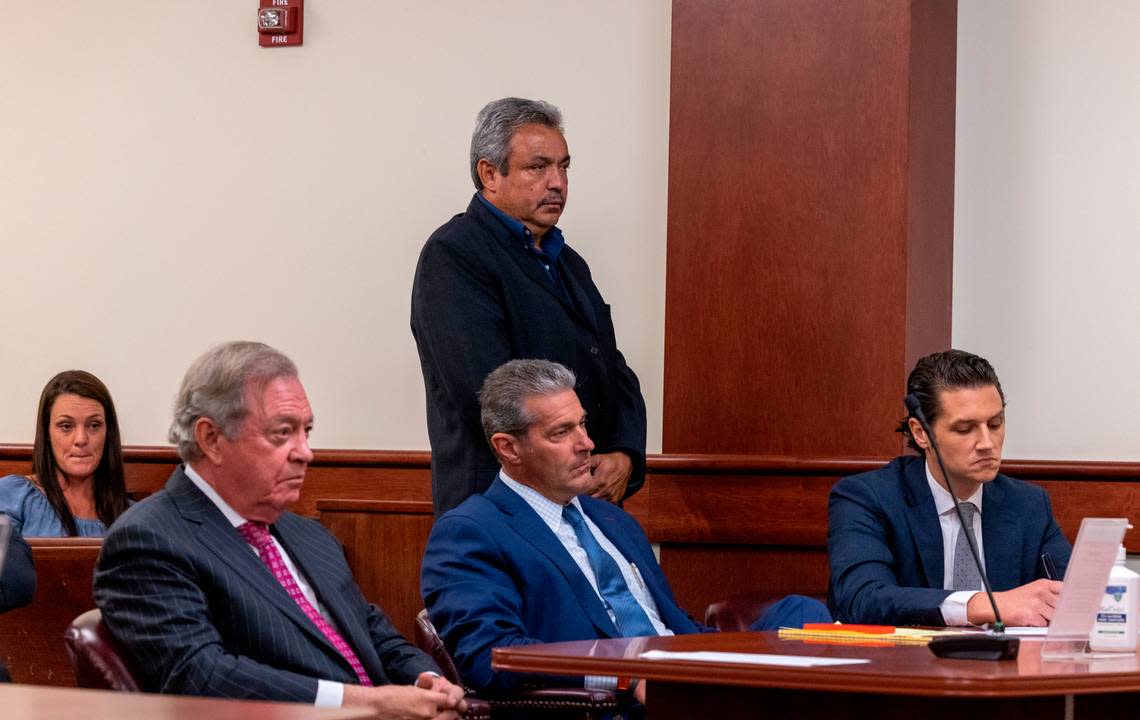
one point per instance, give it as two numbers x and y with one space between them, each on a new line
214 588
895 543
535 558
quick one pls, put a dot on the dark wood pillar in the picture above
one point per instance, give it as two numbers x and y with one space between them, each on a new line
811 191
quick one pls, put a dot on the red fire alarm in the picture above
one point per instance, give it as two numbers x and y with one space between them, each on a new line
280 23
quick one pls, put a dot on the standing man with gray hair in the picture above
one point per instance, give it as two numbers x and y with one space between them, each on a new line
498 282
214 588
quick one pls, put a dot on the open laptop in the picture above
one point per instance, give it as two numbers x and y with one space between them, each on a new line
1085 579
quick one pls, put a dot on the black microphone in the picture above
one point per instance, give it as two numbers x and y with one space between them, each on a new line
974 646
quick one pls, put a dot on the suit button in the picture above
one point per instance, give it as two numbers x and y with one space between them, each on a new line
594 350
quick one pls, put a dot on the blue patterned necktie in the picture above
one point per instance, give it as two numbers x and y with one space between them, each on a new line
629 617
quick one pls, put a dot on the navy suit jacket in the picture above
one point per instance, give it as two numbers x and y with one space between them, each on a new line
18 580
494 575
480 299
884 543
200 614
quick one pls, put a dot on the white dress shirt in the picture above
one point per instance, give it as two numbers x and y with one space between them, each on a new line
329 692
551 514
954 606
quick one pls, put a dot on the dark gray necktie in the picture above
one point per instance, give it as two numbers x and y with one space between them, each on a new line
966 575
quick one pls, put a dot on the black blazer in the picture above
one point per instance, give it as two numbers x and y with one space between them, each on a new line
478 300
199 614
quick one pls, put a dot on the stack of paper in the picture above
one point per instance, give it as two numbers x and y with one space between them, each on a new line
839 633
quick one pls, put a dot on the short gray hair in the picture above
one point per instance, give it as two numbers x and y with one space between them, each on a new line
496 125
502 399
215 387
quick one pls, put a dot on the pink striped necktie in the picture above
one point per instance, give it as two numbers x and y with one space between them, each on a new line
257 535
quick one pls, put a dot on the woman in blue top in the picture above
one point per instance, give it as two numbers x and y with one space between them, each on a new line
77 483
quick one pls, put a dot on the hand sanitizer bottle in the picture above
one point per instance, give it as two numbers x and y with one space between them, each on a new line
1116 621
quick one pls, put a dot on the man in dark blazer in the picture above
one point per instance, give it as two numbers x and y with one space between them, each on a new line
214 588
893 535
498 282
530 559
17 577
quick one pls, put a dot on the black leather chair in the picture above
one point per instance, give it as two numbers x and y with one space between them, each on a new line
569 703
96 656
100 663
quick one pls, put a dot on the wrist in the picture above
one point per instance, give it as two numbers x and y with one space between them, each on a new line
978 609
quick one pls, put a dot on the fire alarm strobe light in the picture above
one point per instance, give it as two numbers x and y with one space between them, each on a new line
280 22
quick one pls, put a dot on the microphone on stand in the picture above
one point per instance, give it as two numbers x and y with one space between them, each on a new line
995 646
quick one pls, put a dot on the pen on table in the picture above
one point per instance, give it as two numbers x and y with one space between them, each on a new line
1050 568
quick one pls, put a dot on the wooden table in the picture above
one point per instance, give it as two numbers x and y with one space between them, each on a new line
36 702
899 682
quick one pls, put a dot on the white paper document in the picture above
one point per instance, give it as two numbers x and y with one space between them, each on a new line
751 658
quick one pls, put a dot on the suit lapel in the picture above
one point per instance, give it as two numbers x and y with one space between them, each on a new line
223 540
531 528
518 254
575 287
999 539
922 518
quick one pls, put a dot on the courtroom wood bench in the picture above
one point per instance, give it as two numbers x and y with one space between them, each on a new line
31 638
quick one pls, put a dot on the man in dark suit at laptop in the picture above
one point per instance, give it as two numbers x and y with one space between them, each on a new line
895 544
499 282
214 588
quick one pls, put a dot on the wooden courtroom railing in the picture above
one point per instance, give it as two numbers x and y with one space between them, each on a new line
384 541
726 524
333 474
733 525
31 638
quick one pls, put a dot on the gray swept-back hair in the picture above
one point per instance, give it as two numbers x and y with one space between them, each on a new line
496 125
502 399
215 387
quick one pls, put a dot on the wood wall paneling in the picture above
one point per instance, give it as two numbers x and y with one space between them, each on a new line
333 474
384 542
930 176
726 524
807 195
31 638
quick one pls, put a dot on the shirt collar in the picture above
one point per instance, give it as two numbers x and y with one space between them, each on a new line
552 242
547 509
943 501
209 491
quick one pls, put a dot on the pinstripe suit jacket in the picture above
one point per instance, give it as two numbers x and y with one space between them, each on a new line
200 614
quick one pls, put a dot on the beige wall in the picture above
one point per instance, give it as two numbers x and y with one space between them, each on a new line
1047 218
143 141
166 184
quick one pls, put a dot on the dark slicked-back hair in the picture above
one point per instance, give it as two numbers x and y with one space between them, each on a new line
109 487
946 370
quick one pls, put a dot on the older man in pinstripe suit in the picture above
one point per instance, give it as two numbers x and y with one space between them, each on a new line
214 588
